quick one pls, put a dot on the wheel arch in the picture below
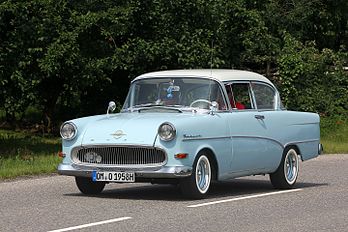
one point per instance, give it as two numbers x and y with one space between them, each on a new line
212 158
295 147
286 148
287 173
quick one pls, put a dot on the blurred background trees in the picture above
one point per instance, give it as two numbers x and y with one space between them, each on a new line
65 59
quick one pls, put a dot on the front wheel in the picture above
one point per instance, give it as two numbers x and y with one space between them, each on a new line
197 185
87 186
286 175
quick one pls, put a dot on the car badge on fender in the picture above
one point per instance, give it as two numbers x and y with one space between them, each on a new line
118 134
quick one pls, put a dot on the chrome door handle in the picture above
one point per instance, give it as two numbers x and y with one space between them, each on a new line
258 116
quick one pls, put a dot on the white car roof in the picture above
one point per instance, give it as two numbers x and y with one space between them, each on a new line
223 75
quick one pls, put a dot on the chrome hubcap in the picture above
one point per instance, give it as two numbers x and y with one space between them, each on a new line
291 166
203 174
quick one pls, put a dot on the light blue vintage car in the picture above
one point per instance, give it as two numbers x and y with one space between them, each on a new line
191 127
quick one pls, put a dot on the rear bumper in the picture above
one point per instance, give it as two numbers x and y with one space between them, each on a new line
163 172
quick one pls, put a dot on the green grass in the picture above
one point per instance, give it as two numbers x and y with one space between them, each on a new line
334 135
22 153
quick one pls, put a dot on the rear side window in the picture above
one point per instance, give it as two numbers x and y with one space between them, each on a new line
265 96
240 96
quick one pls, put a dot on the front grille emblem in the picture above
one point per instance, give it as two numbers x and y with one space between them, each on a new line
118 134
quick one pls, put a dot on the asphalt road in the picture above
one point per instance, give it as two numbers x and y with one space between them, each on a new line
319 203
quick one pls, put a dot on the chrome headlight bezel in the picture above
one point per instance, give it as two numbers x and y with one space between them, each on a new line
70 133
166 131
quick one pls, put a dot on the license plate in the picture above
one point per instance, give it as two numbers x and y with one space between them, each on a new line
113 176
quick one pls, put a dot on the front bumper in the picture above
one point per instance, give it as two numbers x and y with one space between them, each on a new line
163 172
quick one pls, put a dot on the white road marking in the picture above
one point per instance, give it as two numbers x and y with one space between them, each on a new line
243 198
92 224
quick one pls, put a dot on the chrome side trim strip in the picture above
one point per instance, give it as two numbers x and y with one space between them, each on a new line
303 141
206 138
276 141
255 137
259 137
301 124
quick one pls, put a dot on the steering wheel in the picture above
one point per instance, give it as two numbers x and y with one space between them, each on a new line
201 100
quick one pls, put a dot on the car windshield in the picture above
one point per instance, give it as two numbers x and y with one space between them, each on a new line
183 93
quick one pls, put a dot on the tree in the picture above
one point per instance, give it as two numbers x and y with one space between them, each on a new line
69 58
313 80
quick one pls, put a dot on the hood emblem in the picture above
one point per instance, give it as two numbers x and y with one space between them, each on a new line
118 134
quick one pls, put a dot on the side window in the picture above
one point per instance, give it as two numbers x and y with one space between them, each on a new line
241 95
264 96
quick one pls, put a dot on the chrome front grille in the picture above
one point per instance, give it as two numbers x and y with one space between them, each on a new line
119 156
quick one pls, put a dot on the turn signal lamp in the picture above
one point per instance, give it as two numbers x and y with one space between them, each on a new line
61 154
181 156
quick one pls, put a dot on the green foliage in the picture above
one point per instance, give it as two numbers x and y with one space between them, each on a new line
67 59
313 80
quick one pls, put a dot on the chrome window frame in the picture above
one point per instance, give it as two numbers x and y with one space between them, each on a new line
251 96
276 96
220 84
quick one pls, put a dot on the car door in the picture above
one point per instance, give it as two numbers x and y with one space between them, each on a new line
253 149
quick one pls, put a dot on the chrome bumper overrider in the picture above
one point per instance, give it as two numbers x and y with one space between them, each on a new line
164 172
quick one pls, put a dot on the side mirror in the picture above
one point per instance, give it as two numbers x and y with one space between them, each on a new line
111 107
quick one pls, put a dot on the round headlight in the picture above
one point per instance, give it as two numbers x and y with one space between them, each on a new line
166 131
68 130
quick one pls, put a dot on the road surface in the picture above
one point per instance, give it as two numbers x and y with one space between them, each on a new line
318 203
